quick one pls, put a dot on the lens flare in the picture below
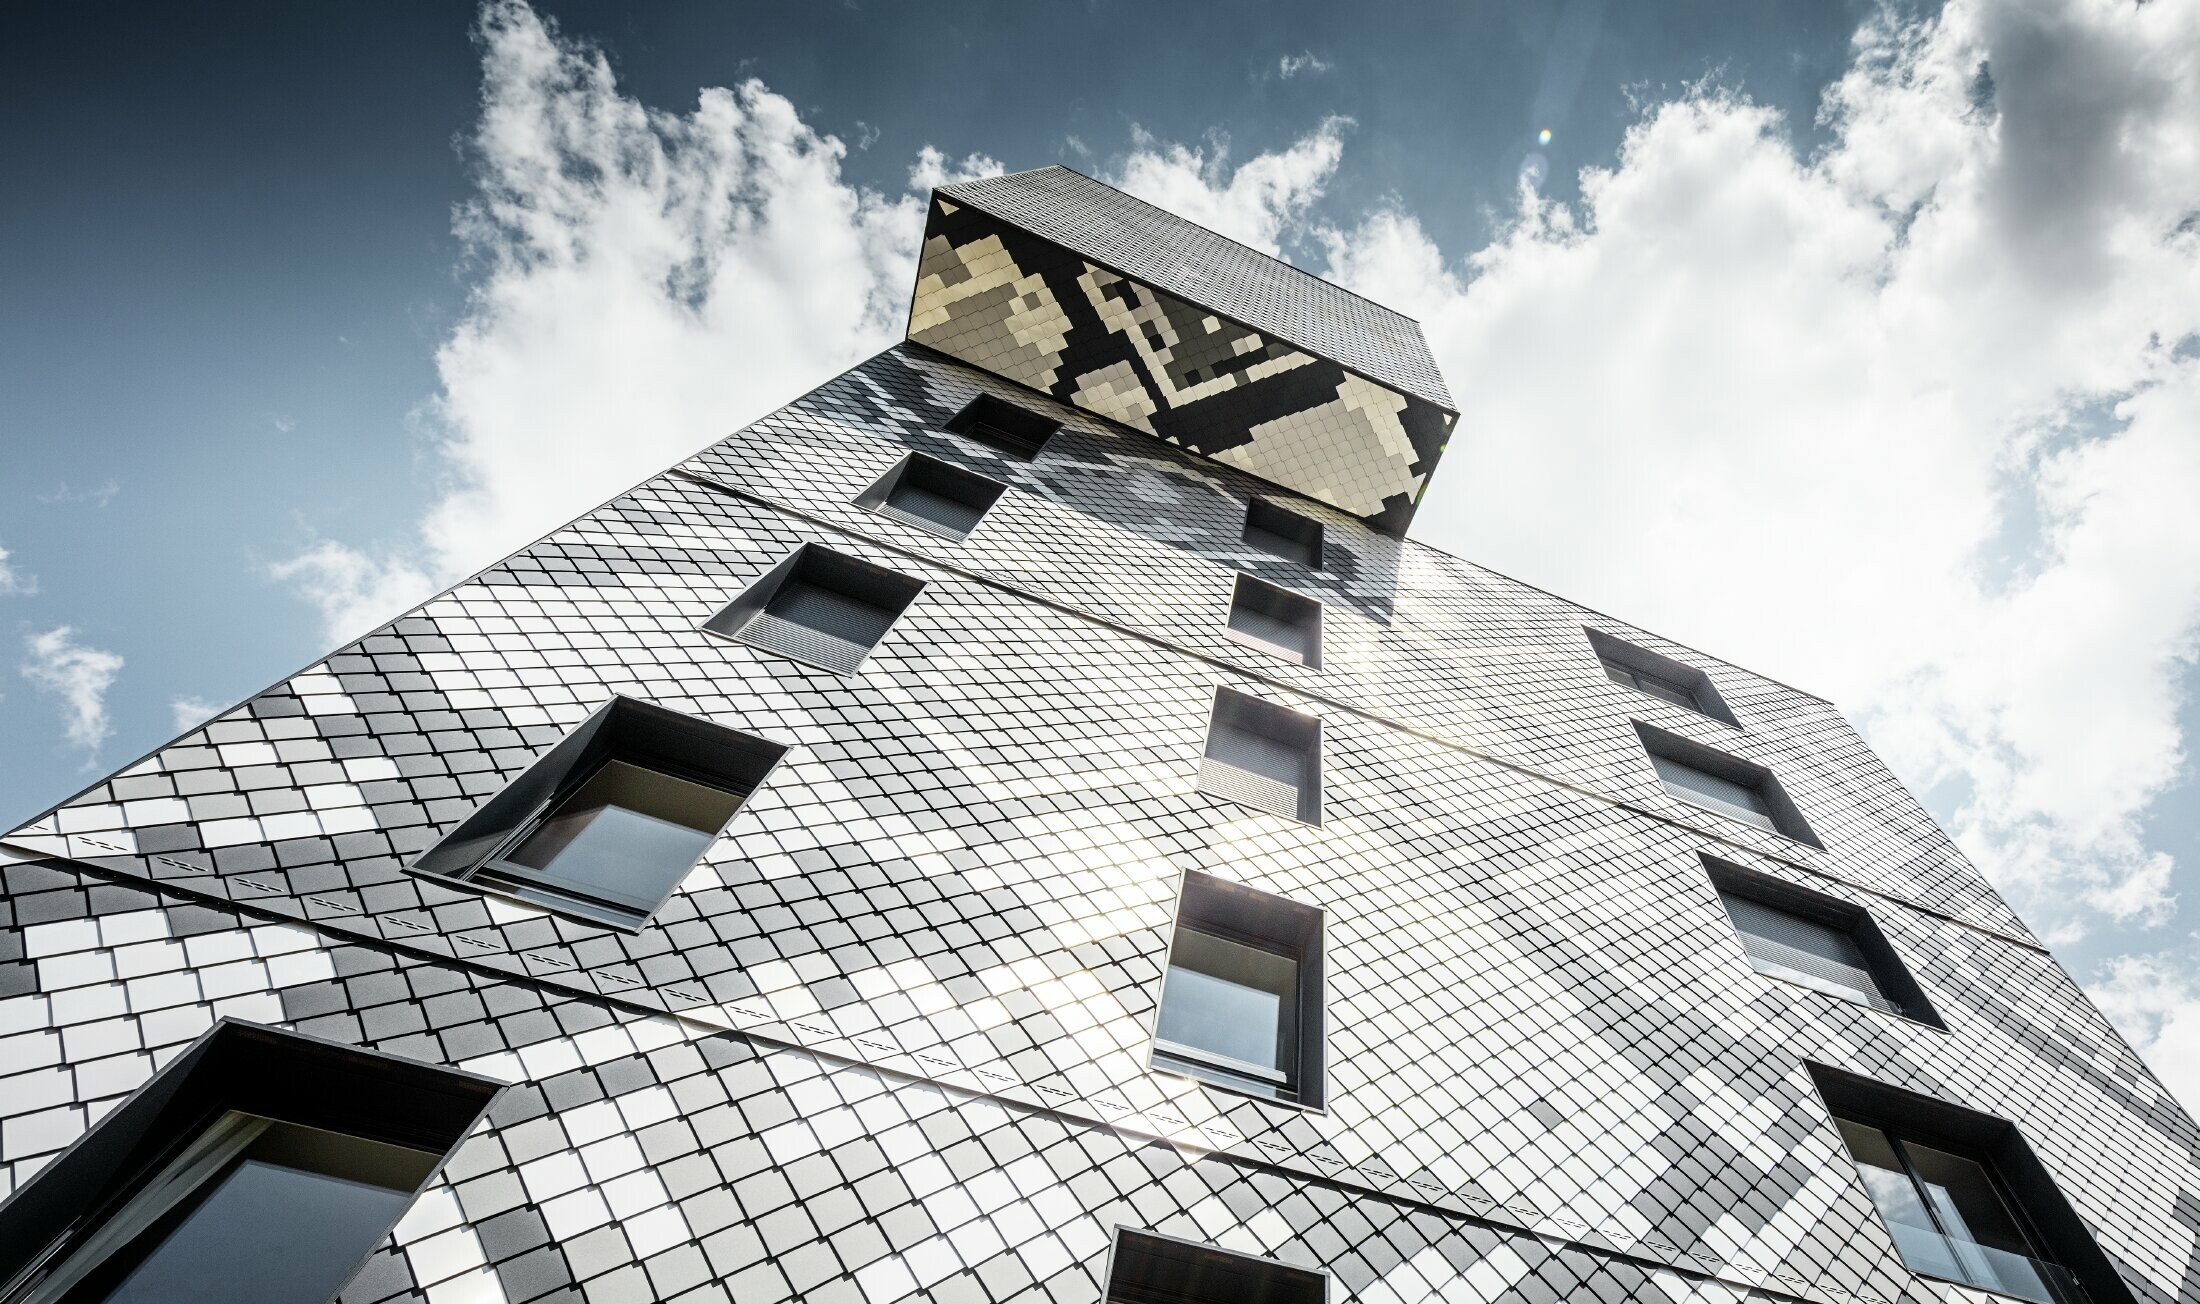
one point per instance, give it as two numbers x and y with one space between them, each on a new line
1543 137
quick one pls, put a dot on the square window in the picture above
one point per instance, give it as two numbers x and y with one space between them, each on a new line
1725 785
1962 1195
1148 1268
1004 427
932 496
819 607
1284 533
1817 941
259 1167
1263 755
1241 1001
1661 677
1276 620
608 822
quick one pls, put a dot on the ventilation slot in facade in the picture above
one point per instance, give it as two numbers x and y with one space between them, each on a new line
1816 941
1274 619
932 496
608 822
1725 785
1264 756
1147 1268
1660 676
819 607
1003 427
1285 533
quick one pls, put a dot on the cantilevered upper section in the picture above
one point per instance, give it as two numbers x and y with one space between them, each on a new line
1082 292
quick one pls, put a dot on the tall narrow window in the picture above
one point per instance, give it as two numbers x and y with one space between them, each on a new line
1661 677
258 1168
1723 784
606 825
1276 620
1264 755
1962 1195
1146 1268
1284 533
1004 427
820 607
1241 1004
932 496
1817 941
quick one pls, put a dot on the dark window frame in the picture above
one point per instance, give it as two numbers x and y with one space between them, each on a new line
1784 817
938 479
816 566
1280 532
2024 1184
1264 921
472 855
1279 604
245 1067
1619 657
1263 722
1898 988
1006 428
1246 1278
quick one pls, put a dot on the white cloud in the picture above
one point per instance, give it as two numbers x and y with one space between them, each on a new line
77 678
1251 203
1293 65
646 283
191 712
98 495
14 582
1904 421
2155 1001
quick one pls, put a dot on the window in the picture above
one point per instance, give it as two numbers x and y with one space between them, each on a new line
932 496
1285 533
1962 1195
1817 941
1147 1268
1276 620
1723 784
1661 677
608 822
259 1167
1263 755
819 607
1241 1003
1004 427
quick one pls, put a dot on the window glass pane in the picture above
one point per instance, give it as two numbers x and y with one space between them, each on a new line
1982 1234
1722 795
1231 999
1804 950
1619 674
1667 689
1896 1197
626 835
286 1221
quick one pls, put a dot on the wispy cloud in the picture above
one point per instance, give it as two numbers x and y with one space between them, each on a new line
1253 201
1304 64
2155 1001
15 582
77 678
353 589
284 424
97 496
191 712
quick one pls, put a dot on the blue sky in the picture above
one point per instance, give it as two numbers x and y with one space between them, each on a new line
1853 343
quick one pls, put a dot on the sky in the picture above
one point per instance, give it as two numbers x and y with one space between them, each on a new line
1858 344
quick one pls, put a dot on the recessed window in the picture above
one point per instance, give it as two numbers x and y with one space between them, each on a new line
933 496
820 607
1816 941
1003 427
1661 677
1241 1004
1725 785
257 1168
1146 1268
1263 755
1962 1195
608 822
1283 532
1276 620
